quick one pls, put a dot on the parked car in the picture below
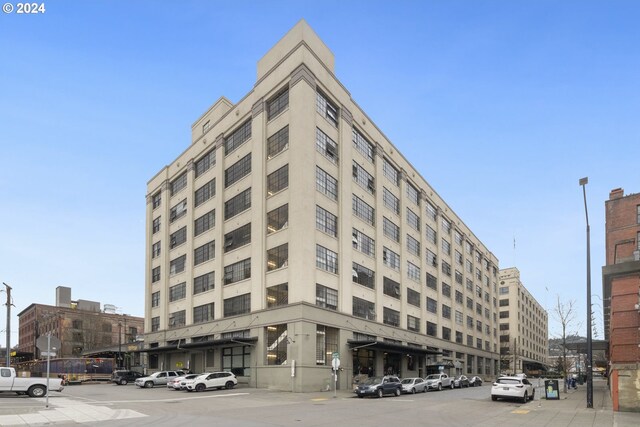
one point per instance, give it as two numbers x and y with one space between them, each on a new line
438 381
157 378
413 385
460 381
211 380
123 377
475 381
33 386
175 383
379 386
512 388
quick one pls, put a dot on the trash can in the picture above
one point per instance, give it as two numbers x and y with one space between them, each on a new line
551 390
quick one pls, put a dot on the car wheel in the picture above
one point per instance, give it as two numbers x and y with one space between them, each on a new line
398 392
426 389
439 387
525 398
148 384
37 391
200 387
453 386
360 396
533 394
123 382
494 398
380 393
413 390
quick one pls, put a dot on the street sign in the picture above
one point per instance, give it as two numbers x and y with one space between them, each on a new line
41 343
335 363
335 355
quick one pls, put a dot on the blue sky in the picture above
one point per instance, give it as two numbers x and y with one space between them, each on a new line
501 105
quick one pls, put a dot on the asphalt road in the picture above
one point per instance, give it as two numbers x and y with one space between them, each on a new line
247 407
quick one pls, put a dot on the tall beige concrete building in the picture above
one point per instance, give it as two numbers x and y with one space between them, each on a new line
524 327
292 231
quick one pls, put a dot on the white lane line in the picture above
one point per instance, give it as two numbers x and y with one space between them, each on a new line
179 398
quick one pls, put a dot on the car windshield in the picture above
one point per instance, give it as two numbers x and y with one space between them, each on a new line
407 381
508 381
433 377
372 380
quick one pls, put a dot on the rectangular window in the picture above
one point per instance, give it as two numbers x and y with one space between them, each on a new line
278 295
237 305
413 323
413 246
326 259
204 223
155 249
177 265
413 195
431 235
203 313
278 142
278 219
390 287
156 199
237 171
155 299
390 230
363 146
413 272
363 178
458 277
177 238
459 317
205 163
390 201
276 344
278 180
155 274
237 204
326 297
177 319
446 247
458 257
203 283
432 282
446 333
504 314
204 253
432 329
278 257
327 109
469 322
432 305
446 311
432 259
470 303
363 276
205 192
237 238
326 146
155 324
638 214
390 258
459 338
364 309
326 344
238 271
156 225
326 222
446 268
459 297
362 210
237 138
458 237
363 243
446 226
413 220
326 184
178 184
390 317
432 211
390 172
178 211
277 104
504 302
413 297
446 290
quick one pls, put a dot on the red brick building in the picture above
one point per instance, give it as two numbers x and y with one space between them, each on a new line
621 296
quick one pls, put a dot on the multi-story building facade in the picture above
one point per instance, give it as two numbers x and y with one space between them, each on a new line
292 231
524 327
621 297
81 326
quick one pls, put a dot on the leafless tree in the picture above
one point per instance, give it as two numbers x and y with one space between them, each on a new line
565 312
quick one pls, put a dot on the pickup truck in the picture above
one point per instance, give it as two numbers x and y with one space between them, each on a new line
33 386
157 378
439 381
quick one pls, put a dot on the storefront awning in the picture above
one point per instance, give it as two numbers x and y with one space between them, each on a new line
388 346
201 344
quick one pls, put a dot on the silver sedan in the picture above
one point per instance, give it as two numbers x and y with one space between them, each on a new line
413 385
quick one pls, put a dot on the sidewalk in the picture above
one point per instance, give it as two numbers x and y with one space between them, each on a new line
571 410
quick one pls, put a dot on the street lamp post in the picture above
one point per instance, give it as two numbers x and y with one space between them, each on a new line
119 344
583 182
8 350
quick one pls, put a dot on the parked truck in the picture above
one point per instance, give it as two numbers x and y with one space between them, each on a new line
439 381
33 386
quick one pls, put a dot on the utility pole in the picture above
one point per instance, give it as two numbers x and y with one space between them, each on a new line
583 182
8 324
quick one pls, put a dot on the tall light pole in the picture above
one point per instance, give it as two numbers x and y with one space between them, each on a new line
119 344
8 324
583 182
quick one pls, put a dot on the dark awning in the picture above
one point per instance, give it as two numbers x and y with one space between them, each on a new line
390 347
200 344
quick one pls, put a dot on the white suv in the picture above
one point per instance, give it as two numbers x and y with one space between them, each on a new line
512 388
217 380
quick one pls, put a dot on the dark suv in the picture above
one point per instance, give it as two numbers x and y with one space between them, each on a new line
123 377
379 386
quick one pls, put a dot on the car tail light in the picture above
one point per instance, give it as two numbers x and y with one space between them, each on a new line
519 386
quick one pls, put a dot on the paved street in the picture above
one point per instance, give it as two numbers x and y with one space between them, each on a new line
111 405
